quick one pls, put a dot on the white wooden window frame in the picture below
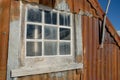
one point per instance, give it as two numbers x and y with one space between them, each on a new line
58 26
44 64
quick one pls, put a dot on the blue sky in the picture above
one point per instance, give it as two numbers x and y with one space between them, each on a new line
113 13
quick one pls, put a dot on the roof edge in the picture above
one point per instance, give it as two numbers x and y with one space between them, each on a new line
110 27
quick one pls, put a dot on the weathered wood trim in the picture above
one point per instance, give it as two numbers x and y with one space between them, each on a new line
37 70
14 38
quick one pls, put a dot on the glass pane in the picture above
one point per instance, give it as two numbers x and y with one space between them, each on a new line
54 18
50 33
67 20
48 17
34 49
50 48
61 19
64 34
34 15
34 32
64 19
65 48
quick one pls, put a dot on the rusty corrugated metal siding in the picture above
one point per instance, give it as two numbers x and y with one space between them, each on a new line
68 75
4 33
99 64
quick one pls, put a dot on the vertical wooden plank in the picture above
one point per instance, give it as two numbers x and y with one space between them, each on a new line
4 34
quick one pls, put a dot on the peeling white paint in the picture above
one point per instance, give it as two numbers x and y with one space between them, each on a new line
13 53
62 6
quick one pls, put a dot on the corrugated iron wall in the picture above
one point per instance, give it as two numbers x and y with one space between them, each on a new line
67 75
4 33
99 63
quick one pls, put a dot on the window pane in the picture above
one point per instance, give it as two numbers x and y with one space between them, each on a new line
64 34
50 33
61 18
34 32
50 48
34 49
64 19
48 17
54 18
65 48
67 20
34 15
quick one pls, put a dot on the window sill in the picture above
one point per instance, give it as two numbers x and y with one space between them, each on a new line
25 71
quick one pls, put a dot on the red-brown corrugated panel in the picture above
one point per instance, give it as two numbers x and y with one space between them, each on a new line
4 32
99 63
119 65
85 47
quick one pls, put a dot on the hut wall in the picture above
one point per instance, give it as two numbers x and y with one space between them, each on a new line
14 56
99 63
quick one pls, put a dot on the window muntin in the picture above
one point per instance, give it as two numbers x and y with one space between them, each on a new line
47 34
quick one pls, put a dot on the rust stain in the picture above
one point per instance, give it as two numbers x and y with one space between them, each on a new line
4 34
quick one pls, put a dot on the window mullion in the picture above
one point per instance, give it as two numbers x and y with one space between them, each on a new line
26 31
58 52
71 34
43 24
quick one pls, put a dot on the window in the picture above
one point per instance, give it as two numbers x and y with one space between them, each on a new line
48 33
47 41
